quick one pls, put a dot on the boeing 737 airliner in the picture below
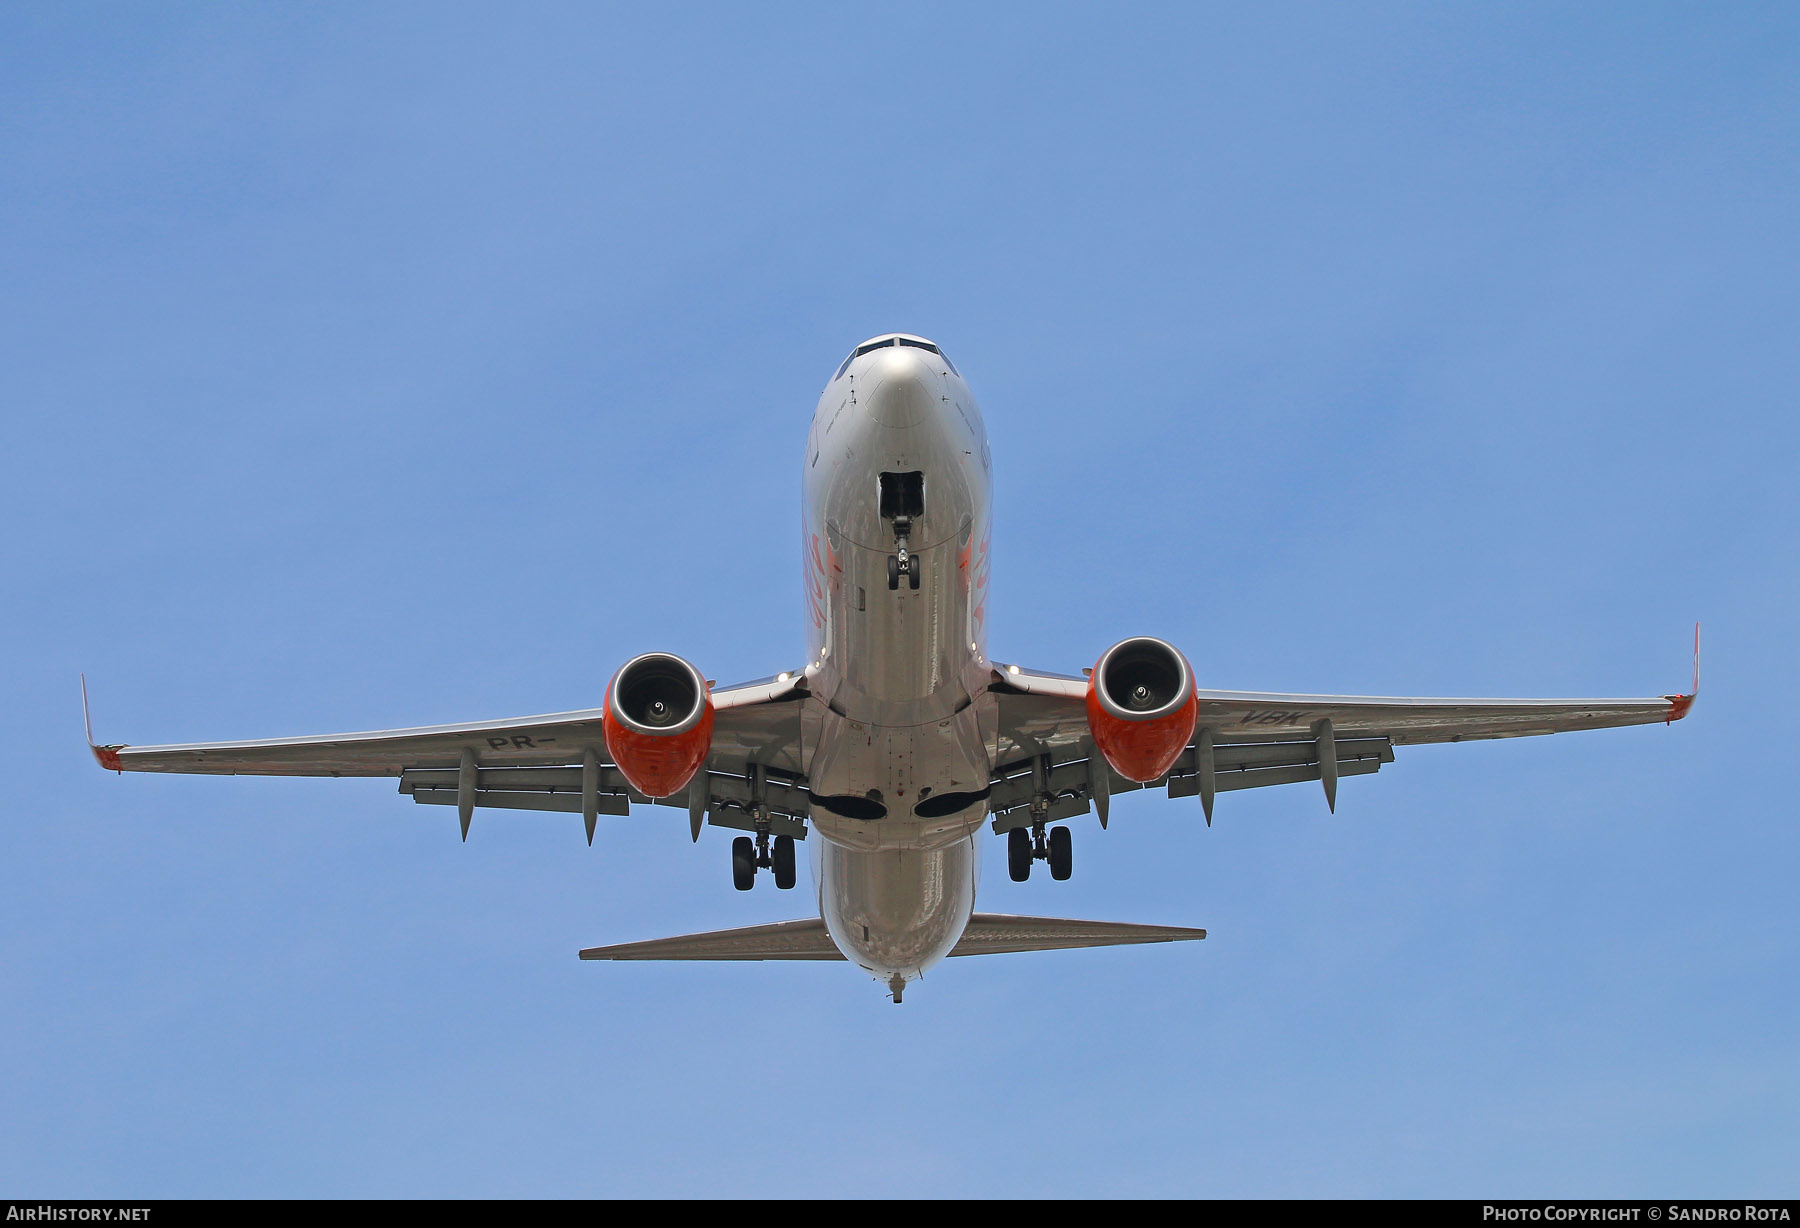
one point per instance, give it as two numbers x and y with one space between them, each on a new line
897 740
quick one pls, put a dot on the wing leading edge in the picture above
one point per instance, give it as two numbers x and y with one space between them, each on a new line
552 739
555 762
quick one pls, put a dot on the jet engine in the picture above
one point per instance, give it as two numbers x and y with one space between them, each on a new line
1141 707
658 722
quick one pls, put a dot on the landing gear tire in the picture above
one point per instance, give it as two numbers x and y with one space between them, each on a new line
1018 854
1062 854
743 863
912 572
784 863
893 571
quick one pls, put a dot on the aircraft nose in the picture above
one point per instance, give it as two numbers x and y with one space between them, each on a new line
901 388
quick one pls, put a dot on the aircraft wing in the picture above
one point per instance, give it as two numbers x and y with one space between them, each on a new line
555 762
1248 739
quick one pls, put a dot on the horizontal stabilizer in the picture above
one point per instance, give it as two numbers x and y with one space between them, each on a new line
987 934
992 933
783 940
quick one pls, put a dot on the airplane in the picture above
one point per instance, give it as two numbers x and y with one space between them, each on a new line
897 739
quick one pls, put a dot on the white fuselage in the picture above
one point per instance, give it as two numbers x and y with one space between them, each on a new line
897 731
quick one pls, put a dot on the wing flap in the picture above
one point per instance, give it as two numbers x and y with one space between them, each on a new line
520 799
1242 765
558 790
1256 778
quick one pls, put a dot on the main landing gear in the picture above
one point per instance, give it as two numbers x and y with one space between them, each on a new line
748 856
1024 846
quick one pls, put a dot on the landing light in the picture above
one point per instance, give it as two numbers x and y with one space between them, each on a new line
783 676
1012 669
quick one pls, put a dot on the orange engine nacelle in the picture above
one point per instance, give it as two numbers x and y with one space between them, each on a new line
659 723
1141 707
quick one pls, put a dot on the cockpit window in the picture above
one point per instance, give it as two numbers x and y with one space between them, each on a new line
926 345
884 343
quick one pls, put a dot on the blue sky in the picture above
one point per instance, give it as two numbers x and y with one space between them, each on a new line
369 366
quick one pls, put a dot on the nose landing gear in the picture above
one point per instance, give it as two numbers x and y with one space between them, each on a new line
902 562
902 498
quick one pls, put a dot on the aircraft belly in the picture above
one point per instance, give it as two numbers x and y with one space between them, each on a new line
899 911
929 781
899 654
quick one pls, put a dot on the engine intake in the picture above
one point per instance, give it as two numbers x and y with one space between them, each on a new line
658 721
1141 707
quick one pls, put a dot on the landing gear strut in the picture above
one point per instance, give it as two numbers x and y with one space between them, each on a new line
1024 846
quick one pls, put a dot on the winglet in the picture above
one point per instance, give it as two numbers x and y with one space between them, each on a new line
106 756
1679 704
